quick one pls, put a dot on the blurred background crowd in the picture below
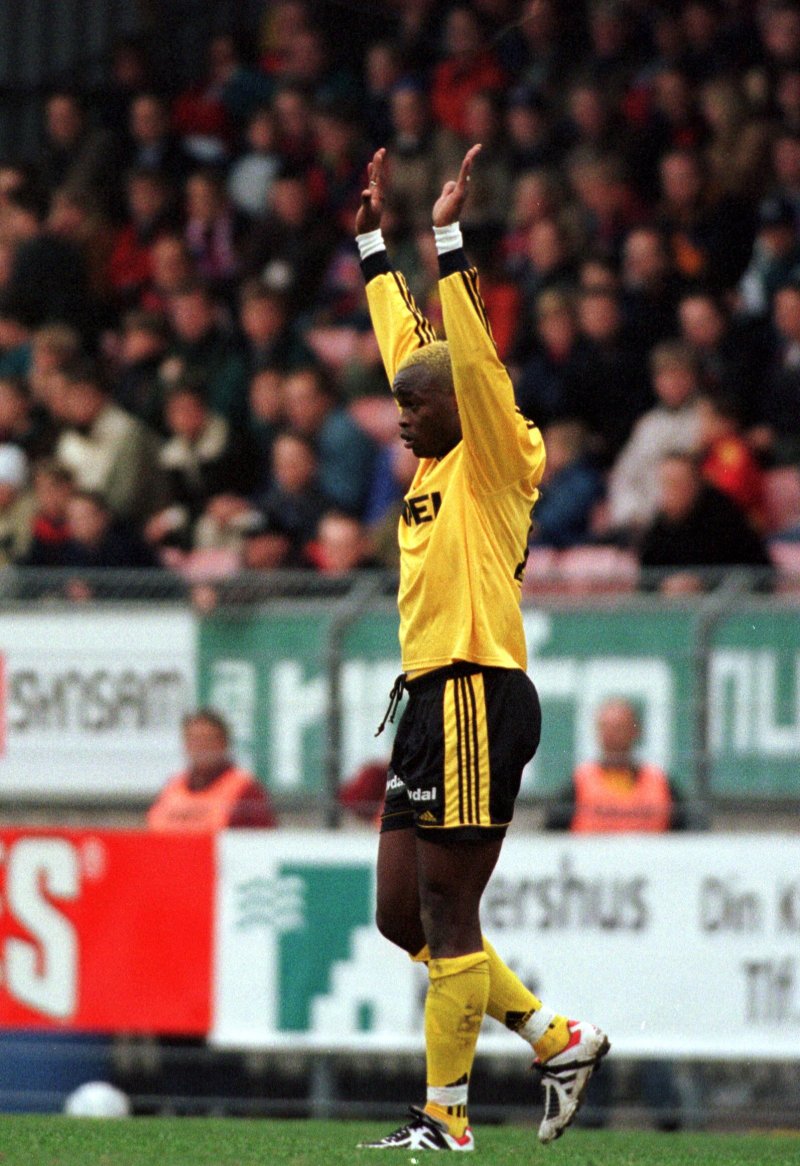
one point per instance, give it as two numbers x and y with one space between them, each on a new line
188 377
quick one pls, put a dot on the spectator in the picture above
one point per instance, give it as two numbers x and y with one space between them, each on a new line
28 427
590 119
546 47
48 279
546 263
776 255
536 194
213 231
53 488
730 357
15 340
53 347
289 248
212 793
75 218
153 145
16 505
671 123
490 190
394 474
342 546
383 70
107 449
346 454
606 205
728 461
264 420
419 148
204 351
697 535
149 199
199 114
266 323
610 389
142 347
295 493
529 131
544 388
650 287
171 271
96 543
737 154
307 65
338 168
202 460
251 176
618 794
468 67
710 236
292 110
264 548
786 169
571 488
672 424
76 157
777 411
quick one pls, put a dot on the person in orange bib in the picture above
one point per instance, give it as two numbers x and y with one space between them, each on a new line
212 793
616 793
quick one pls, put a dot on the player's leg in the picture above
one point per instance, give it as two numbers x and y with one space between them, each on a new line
398 911
452 878
567 1052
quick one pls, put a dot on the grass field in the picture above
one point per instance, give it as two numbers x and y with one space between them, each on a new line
58 1141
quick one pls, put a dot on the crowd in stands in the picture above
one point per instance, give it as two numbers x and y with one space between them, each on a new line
187 372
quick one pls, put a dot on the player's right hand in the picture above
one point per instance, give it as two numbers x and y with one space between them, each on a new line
368 216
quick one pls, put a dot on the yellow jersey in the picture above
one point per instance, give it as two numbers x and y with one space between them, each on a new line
464 529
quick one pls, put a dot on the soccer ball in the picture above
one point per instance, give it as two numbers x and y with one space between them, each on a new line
97 1099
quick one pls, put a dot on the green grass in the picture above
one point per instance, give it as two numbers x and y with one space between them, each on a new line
184 1141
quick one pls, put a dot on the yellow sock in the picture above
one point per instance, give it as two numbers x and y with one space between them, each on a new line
516 1007
458 989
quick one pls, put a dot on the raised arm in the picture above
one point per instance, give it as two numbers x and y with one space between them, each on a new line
399 325
501 446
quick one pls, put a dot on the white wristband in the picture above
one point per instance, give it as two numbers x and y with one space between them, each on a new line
369 243
448 238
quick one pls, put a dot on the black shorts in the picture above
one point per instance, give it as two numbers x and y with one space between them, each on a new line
462 743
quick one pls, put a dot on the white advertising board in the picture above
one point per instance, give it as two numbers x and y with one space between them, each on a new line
685 946
91 701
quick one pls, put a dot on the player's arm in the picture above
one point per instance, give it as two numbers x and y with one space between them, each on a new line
501 448
399 325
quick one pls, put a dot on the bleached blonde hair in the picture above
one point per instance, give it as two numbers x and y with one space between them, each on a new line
435 359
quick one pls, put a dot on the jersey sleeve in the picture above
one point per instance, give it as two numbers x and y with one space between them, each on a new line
502 447
399 325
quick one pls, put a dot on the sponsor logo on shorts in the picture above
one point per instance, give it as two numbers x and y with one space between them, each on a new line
422 795
395 782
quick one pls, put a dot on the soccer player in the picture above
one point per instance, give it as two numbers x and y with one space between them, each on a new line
473 717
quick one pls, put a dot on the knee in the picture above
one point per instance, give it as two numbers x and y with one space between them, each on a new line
402 932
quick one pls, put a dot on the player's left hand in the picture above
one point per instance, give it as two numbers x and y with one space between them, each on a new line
368 216
448 206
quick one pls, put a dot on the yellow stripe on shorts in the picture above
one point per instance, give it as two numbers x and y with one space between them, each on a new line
466 753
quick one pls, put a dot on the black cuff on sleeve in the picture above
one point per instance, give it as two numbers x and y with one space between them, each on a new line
375 264
453 261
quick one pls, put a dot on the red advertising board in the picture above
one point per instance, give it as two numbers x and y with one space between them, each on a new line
106 931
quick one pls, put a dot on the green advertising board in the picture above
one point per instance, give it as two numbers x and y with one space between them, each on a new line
754 705
268 673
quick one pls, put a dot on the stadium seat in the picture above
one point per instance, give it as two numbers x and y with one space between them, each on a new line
598 570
